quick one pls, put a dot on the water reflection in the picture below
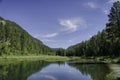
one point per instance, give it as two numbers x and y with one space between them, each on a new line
21 70
59 72
97 71
40 70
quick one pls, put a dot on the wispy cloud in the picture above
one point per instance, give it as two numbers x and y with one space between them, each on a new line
36 35
91 5
51 35
112 1
72 24
106 12
94 5
46 37
71 40
48 40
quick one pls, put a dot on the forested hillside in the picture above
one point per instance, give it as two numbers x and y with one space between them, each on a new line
105 43
16 41
59 51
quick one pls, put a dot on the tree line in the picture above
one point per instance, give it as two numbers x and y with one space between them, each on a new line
106 42
16 41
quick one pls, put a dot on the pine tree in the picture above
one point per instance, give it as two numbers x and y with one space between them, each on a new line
113 28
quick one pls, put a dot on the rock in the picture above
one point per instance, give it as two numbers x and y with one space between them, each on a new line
2 22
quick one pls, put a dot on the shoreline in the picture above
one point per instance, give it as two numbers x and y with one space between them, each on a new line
105 60
50 58
16 59
4 60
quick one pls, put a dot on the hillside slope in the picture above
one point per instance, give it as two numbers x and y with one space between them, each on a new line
106 42
16 41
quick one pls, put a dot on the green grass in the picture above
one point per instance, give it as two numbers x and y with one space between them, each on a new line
14 59
82 60
95 59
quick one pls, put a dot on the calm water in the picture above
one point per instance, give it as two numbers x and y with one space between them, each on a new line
39 70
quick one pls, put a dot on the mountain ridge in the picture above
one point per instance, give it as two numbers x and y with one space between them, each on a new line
14 40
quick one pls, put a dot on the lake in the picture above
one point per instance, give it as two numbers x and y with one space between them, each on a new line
41 70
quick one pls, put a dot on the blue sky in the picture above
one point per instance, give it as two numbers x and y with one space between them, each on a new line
58 23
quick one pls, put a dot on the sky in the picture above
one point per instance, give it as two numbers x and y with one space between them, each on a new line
58 23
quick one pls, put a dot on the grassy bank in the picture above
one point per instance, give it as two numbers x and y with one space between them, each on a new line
13 59
10 59
95 59
115 71
112 63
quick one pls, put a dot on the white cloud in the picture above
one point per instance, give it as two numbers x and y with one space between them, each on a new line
50 35
91 5
71 40
36 35
46 35
48 40
72 24
112 1
106 12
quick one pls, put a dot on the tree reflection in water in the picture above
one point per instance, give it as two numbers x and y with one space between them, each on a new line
40 70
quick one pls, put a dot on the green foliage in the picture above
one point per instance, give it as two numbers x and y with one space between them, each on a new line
16 41
60 51
105 43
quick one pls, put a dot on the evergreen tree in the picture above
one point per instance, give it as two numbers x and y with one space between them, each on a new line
16 41
105 43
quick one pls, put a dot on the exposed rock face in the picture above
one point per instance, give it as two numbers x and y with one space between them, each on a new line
2 22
